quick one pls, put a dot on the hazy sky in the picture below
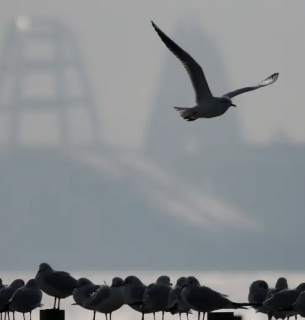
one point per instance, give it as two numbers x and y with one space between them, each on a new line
154 176
124 56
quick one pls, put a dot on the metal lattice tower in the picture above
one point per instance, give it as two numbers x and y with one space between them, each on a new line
43 52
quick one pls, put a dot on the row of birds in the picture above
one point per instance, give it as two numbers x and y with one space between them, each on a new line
186 296
207 106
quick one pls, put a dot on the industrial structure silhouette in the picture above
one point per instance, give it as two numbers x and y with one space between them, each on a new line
144 203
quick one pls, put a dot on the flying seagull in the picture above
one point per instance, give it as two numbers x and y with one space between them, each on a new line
207 106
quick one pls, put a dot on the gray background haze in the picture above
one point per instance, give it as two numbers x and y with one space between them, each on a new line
98 171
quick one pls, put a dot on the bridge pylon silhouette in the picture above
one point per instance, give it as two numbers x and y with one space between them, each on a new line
42 75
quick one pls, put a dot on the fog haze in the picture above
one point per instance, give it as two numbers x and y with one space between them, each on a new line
99 172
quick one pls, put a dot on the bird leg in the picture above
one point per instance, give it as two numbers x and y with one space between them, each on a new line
143 316
55 299
162 315
94 313
30 315
106 316
154 316
23 316
110 316
58 304
13 315
203 316
198 315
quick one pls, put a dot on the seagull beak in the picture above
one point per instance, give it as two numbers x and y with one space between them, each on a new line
233 105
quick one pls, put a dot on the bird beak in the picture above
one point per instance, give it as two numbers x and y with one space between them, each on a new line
233 105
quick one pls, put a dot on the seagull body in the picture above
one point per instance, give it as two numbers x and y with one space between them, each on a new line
280 304
57 284
299 305
114 301
258 288
258 291
204 299
175 303
284 298
156 295
6 294
84 289
133 293
26 298
106 299
207 106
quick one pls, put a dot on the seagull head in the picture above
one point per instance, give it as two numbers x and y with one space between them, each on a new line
227 102
117 282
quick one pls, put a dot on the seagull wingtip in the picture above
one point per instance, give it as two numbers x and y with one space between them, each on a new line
154 25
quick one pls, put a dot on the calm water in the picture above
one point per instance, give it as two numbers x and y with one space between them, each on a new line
234 284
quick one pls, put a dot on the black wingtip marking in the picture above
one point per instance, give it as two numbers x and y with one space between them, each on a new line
154 25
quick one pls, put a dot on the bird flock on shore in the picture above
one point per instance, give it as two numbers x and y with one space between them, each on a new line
185 297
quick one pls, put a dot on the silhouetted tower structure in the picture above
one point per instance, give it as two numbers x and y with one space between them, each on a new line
41 70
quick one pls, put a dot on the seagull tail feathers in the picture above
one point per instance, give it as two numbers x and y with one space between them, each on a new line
236 305
186 113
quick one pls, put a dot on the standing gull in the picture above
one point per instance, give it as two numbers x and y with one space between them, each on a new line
175 303
107 299
284 299
204 299
195 283
26 299
84 289
6 294
298 307
281 284
156 295
133 293
258 291
207 106
57 284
